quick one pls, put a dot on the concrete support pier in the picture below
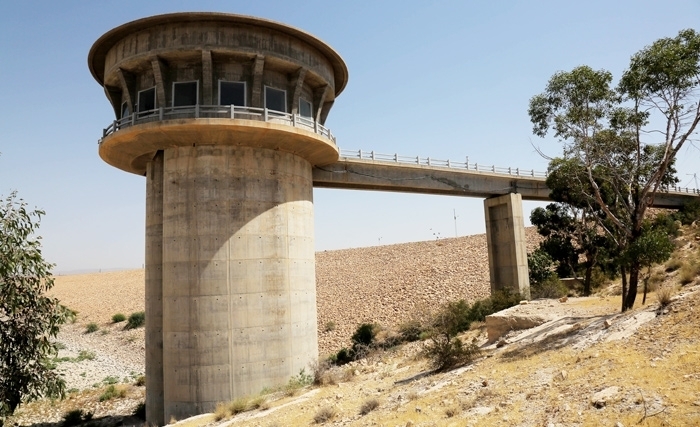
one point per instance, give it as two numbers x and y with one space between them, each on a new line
239 289
505 235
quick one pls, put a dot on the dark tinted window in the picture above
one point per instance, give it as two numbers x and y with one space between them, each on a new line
147 100
232 93
304 108
184 94
275 99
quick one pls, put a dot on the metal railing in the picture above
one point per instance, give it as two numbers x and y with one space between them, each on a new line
218 112
429 161
466 165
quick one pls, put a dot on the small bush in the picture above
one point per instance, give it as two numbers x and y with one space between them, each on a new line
324 414
238 405
447 352
91 327
221 412
365 334
411 330
663 295
330 326
297 382
112 392
119 317
551 287
136 320
451 411
140 381
368 406
319 370
110 380
257 402
673 264
688 273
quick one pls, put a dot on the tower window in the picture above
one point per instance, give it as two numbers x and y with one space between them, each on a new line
275 99
305 108
185 93
147 100
232 93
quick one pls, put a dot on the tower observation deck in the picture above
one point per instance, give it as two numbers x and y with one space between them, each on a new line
224 115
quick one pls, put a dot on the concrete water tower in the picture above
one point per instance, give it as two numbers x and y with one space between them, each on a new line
223 115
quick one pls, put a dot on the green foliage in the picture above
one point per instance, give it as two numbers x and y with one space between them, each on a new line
446 352
91 327
330 326
301 380
540 266
689 213
76 417
112 392
365 334
624 140
119 317
136 320
110 380
411 330
29 320
550 287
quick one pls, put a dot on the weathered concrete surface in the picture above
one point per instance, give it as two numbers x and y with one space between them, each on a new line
381 175
154 291
385 176
505 235
239 291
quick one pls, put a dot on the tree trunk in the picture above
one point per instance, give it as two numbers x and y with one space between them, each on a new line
587 281
632 291
623 273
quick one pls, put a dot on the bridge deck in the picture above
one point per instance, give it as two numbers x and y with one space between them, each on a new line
386 175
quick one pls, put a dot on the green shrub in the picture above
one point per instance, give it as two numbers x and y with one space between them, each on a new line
91 327
411 330
140 381
330 326
136 320
365 334
112 392
551 287
688 213
342 357
446 352
119 317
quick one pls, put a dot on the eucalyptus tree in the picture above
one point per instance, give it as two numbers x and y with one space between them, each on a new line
29 320
626 137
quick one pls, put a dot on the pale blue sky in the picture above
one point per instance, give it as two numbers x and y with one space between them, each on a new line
445 79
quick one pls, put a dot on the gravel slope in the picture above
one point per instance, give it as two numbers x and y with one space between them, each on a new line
382 284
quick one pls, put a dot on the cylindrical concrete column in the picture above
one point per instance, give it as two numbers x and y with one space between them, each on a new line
239 297
154 291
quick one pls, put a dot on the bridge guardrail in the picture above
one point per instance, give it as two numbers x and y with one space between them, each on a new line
221 112
465 165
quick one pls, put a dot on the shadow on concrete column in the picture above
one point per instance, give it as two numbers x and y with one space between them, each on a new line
505 234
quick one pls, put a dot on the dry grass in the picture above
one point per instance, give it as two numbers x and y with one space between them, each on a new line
664 294
368 406
325 414
689 272
221 412
239 405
